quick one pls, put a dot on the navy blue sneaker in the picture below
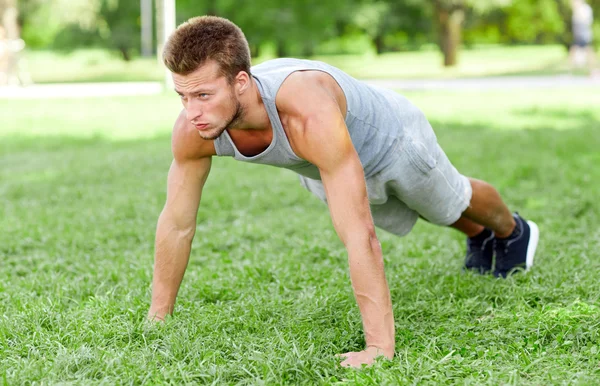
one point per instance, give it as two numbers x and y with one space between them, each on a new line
517 251
480 252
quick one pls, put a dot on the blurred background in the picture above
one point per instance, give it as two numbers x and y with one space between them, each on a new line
56 41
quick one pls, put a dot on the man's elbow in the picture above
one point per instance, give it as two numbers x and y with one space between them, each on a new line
183 229
362 237
186 233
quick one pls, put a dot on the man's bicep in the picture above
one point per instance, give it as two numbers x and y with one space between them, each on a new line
315 123
184 188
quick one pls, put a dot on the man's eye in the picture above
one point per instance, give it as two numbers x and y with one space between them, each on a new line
203 95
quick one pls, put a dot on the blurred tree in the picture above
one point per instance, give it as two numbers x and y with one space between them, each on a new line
294 28
528 22
121 25
450 15
376 19
383 19
44 20
302 27
596 29
537 21
67 24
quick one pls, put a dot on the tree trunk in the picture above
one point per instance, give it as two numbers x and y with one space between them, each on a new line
379 46
280 49
450 24
566 37
125 53
308 49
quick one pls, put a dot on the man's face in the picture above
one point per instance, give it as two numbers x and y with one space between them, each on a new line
209 100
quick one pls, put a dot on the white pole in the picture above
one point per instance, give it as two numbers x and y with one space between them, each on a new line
168 28
146 18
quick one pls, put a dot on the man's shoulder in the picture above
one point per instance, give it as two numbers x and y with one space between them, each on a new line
312 87
300 87
277 62
186 143
286 64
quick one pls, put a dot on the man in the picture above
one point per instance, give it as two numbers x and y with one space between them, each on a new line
582 49
11 61
4 57
369 153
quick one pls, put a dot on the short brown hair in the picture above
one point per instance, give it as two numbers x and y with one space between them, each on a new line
206 38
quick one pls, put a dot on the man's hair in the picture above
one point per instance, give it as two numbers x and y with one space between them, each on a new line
205 38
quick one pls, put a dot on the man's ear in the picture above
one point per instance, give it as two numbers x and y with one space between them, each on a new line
242 82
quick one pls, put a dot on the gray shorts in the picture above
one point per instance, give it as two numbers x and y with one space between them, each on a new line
418 180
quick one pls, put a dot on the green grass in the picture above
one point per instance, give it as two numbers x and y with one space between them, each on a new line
266 298
476 62
90 66
101 66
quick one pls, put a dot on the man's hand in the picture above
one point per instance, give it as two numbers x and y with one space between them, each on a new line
156 316
365 357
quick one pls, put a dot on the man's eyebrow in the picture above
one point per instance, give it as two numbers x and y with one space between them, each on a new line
197 91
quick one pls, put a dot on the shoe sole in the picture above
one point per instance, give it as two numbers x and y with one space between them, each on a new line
534 237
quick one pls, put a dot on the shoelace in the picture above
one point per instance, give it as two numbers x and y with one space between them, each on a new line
506 244
483 243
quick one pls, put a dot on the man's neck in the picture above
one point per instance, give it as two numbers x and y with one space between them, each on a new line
255 113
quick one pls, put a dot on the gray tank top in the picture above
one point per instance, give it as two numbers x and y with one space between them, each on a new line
377 119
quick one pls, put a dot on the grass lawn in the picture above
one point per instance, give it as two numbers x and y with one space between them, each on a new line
267 298
101 66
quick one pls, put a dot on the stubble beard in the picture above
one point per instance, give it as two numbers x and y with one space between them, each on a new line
232 122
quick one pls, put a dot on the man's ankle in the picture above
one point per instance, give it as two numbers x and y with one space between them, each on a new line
516 231
482 236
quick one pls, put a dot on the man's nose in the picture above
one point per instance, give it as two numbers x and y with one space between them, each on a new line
193 110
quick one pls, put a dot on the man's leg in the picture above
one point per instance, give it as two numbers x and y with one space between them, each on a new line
486 210
425 180
592 62
490 226
486 215
480 245
573 51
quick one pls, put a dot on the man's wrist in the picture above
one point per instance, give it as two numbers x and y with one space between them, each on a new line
159 313
387 350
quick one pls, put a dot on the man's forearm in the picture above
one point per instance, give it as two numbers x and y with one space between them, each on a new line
171 259
372 294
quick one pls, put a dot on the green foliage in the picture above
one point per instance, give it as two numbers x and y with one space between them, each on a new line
121 19
296 28
44 20
306 27
537 21
393 25
67 24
